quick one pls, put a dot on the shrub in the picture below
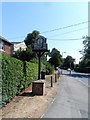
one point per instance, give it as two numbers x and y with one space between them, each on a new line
82 70
16 75
49 68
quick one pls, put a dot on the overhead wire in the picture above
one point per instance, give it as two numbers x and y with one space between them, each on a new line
59 29
56 34
65 27
70 32
66 39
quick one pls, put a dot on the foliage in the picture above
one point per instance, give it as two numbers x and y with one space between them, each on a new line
68 62
16 75
82 70
43 67
28 54
29 40
25 55
56 58
49 68
85 60
84 64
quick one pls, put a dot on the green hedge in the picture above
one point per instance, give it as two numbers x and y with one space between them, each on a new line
82 70
16 75
49 68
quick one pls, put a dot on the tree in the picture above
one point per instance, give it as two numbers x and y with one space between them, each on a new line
28 54
85 60
25 55
68 62
56 58
29 40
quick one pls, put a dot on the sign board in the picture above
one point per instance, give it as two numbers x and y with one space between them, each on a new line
40 43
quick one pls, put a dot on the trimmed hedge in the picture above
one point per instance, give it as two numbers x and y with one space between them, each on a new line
82 70
16 75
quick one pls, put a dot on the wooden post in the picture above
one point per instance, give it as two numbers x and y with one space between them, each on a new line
51 82
55 77
58 75
39 66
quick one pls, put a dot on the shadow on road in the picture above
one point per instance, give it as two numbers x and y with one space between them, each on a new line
80 75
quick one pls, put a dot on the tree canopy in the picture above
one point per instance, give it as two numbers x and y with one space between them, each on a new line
85 60
56 58
28 54
68 62
29 40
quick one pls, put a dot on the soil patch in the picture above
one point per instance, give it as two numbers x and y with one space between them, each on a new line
26 105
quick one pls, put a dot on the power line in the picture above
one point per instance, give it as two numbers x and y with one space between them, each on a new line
65 27
70 31
57 29
55 34
66 39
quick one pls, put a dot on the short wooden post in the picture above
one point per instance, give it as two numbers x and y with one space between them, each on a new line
51 82
55 77
58 75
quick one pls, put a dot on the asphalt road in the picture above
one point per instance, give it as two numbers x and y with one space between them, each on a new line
72 98
84 78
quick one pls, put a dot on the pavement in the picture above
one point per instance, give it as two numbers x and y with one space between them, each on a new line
71 100
28 106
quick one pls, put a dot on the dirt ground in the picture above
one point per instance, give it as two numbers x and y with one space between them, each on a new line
29 106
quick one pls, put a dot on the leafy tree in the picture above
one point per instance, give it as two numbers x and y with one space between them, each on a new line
85 60
68 62
25 55
56 58
49 68
28 54
29 40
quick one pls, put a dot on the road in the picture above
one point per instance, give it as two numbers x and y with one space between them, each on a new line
84 78
72 98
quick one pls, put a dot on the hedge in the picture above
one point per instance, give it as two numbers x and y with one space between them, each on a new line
49 68
16 75
82 70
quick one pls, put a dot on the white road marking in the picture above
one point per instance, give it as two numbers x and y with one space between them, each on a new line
84 83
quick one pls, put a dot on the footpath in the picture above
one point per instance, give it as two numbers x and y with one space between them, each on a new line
28 106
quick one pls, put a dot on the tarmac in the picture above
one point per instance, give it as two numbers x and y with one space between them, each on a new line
71 100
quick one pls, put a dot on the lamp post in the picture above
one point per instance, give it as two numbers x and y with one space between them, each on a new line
63 53
62 57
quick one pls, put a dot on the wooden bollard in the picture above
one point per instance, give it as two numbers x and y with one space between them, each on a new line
55 77
51 82
58 75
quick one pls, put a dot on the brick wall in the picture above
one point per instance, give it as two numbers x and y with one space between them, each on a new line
8 48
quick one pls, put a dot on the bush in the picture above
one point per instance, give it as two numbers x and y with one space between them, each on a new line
82 70
16 75
49 68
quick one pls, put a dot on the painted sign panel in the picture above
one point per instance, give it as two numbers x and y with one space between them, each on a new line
40 43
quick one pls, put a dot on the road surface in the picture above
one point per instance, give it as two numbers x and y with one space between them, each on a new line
72 98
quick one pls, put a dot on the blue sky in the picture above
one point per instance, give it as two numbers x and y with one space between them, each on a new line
21 18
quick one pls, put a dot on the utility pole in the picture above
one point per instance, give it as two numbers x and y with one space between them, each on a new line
62 57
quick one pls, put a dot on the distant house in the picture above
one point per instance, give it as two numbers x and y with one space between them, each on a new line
18 45
6 46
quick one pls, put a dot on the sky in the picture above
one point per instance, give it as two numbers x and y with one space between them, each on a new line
21 18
